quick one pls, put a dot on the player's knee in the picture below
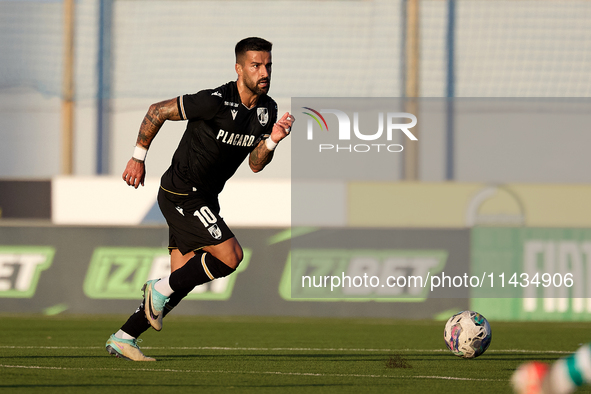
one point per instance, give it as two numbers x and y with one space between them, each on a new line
229 253
234 259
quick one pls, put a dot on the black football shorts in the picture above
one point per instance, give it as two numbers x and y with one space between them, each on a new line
193 221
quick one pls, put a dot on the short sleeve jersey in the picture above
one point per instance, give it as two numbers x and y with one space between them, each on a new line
220 133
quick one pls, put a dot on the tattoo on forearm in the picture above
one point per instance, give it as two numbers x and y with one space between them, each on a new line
155 117
152 121
260 157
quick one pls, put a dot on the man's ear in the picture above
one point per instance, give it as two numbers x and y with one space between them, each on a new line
238 68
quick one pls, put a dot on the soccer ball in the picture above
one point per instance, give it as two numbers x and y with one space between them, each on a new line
467 334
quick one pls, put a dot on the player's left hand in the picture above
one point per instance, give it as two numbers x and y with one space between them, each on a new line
282 128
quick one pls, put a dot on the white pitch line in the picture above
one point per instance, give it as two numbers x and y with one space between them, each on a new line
287 349
251 373
292 349
51 347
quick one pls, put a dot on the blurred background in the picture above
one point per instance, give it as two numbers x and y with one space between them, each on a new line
112 59
76 78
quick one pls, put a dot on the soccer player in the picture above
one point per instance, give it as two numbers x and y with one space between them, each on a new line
562 377
225 125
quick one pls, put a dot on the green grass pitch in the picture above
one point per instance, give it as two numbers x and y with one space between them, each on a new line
66 354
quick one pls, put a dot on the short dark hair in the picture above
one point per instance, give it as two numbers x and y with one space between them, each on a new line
252 44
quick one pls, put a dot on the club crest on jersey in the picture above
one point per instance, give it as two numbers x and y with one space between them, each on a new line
263 115
215 231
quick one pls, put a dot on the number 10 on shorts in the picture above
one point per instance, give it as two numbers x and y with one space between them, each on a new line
206 216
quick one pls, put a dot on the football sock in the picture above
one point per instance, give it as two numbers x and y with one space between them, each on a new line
198 270
174 300
137 322
163 287
123 335
570 372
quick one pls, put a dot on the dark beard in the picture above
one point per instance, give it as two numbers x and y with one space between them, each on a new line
255 88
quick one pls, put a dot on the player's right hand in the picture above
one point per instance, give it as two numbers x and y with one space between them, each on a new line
282 128
134 173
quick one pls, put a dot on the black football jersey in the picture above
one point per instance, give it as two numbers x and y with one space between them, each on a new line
221 132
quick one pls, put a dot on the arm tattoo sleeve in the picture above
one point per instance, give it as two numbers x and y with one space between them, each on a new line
155 117
260 157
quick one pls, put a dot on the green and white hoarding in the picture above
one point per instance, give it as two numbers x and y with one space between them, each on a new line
532 273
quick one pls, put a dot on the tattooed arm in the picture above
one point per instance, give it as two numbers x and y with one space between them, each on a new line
262 155
157 114
135 171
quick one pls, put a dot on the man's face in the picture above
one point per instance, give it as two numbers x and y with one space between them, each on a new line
255 69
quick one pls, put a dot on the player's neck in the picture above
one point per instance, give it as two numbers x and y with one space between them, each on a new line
249 101
247 96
